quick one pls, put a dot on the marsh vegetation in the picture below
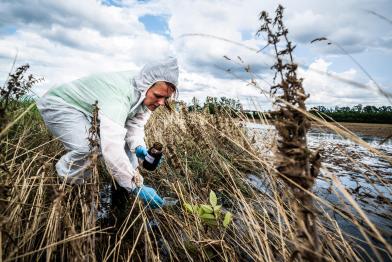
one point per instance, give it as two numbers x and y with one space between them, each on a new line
291 195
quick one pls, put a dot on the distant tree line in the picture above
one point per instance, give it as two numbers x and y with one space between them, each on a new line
213 104
357 113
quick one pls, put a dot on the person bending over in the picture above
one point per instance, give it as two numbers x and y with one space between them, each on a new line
125 101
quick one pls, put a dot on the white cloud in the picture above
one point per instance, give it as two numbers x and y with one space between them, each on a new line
70 14
64 40
202 85
325 89
302 25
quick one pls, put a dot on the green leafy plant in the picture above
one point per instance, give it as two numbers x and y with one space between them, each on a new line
210 214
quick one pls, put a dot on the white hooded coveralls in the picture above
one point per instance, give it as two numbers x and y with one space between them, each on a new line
67 110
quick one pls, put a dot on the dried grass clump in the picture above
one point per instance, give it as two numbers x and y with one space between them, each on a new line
45 219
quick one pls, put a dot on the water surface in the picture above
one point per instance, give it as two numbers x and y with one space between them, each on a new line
366 176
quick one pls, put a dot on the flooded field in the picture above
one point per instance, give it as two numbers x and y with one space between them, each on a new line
367 177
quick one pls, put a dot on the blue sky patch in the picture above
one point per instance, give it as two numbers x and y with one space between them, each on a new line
112 3
247 35
155 24
7 30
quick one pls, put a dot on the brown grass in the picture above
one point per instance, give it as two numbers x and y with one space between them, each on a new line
42 218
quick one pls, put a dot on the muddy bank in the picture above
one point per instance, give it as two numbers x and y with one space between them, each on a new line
361 129
366 129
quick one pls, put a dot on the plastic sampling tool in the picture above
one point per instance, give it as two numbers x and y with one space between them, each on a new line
170 201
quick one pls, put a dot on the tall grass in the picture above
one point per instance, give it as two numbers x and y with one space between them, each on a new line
45 219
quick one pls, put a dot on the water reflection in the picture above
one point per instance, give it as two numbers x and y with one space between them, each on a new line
365 176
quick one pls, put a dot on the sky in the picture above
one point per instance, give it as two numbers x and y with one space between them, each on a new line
66 40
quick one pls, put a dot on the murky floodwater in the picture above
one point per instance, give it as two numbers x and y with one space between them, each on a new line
366 176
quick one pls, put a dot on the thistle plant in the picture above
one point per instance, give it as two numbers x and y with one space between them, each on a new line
295 162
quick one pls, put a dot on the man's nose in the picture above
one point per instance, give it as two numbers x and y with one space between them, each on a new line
161 101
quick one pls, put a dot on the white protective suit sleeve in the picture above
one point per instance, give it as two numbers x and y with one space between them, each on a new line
135 129
135 134
112 144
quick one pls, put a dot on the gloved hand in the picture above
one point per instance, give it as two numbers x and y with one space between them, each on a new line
141 152
149 196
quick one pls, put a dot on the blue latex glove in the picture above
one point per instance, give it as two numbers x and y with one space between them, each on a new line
141 152
149 196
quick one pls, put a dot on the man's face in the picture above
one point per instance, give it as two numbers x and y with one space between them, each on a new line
157 95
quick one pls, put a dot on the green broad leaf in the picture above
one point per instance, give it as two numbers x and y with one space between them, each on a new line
213 199
188 207
207 216
228 218
199 210
217 211
207 209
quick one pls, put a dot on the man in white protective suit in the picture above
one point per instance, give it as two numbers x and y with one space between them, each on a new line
125 101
